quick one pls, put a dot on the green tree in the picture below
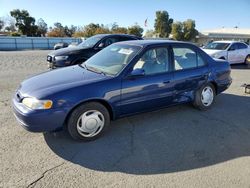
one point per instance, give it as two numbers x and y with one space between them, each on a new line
149 34
122 30
184 30
24 22
69 31
177 31
135 30
90 29
189 30
42 27
57 30
115 28
163 23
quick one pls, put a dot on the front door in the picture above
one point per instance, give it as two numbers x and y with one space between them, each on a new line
152 90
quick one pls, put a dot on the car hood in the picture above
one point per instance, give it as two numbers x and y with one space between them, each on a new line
211 52
57 80
67 51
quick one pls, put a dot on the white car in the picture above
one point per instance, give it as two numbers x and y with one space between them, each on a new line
232 51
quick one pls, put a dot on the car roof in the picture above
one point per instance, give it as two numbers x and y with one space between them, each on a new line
118 34
145 43
227 41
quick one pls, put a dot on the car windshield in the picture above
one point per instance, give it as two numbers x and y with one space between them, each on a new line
90 42
111 60
217 46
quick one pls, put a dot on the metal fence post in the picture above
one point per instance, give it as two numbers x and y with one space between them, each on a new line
15 44
32 44
48 43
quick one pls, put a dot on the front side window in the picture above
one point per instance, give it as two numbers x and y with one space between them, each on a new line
90 42
234 47
154 61
111 60
185 58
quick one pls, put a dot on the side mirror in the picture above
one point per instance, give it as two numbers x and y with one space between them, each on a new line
231 49
137 72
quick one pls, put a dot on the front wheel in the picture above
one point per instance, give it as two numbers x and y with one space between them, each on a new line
204 97
247 60
88 121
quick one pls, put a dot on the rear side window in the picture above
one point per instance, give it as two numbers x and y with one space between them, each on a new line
110 40
186 58
125 38
242 46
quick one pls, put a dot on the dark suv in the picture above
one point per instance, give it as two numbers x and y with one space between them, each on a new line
76 55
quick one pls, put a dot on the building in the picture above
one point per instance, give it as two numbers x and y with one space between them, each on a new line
236 34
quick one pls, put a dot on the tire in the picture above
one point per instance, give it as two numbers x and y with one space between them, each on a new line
247 60
200 101
223 58
96 120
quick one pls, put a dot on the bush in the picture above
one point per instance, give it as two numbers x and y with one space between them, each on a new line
15 34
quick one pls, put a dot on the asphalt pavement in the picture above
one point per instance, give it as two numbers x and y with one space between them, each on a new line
173 147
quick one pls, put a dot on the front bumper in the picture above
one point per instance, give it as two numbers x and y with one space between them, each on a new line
39 120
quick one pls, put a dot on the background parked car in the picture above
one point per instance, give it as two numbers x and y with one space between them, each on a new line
232 51
73 44
61 45
123 79
86 49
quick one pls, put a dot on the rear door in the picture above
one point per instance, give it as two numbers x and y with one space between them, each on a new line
190 72
233 53
242 52
152 90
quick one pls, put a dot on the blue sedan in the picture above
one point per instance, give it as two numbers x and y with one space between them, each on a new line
123 79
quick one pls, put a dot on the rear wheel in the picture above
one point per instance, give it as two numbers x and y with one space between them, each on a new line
247 60
204 97
88 121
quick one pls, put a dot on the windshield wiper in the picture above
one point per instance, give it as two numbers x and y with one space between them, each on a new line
93 69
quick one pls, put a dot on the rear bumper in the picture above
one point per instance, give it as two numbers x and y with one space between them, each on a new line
38 120
223 85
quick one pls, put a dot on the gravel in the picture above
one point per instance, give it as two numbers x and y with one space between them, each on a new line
174 147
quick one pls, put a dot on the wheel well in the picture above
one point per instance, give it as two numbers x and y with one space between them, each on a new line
215 86
222 58
104 103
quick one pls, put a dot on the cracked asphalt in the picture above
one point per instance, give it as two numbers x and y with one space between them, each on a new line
174 147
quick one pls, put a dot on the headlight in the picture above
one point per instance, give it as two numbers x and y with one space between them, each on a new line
61 58
33 103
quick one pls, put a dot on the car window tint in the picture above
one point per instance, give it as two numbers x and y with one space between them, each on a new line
234 46
110 40
242 46
201 62
125 38
185 58
154 61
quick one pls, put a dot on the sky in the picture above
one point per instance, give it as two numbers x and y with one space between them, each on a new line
208 14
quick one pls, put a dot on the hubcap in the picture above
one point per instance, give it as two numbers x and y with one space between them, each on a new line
207 96
90 123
